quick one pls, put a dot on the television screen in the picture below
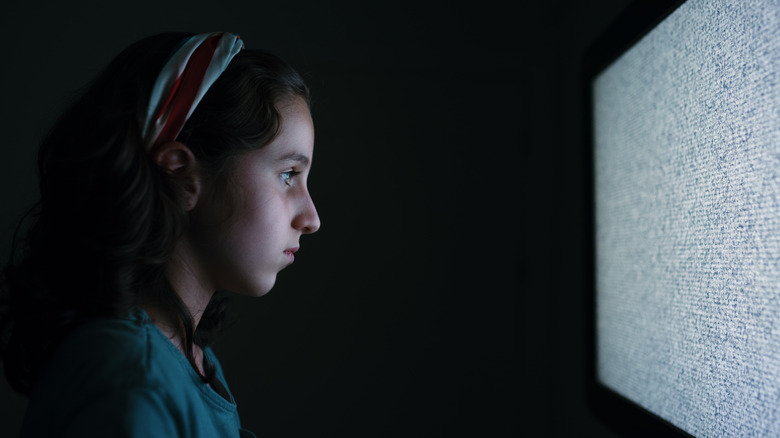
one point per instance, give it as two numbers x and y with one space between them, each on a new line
685 180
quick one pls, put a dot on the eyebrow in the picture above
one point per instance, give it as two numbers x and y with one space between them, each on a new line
296 157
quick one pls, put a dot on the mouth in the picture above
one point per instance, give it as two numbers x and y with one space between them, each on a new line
290 253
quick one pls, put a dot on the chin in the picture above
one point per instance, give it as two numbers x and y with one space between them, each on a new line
259 288
262 292
256 288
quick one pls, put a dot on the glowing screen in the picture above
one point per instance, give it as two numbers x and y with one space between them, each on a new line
687 192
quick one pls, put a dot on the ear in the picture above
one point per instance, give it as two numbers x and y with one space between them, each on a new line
177 160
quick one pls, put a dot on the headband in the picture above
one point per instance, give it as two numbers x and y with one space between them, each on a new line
183 80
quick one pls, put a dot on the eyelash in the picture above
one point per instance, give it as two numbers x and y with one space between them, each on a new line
290 175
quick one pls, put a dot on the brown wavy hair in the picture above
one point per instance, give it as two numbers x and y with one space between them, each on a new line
108 217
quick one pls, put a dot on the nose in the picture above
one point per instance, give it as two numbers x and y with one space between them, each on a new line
307 220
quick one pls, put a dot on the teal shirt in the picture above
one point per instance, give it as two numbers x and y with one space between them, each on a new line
124 378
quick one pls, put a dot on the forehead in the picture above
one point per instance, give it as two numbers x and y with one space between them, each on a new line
295 142
296 134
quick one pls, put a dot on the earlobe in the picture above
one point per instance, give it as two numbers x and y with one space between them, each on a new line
178 160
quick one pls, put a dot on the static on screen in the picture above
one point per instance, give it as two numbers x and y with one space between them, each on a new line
687 191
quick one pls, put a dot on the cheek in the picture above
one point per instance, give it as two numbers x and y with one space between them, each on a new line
252 234
259 222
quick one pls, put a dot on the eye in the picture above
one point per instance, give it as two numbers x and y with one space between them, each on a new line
287 176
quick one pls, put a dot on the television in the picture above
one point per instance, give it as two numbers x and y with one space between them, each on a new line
682 230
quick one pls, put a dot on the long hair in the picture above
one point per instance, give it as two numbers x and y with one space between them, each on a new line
108 217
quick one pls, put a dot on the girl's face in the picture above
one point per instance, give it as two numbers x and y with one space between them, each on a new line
245 253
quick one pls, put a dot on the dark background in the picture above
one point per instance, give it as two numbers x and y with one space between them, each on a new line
443 294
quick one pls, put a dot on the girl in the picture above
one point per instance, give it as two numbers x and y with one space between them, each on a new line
181 171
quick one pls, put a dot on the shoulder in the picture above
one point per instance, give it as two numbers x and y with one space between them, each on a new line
122 375
120 351
109 354
108 373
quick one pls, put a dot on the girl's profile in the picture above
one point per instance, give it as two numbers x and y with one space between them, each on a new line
179 173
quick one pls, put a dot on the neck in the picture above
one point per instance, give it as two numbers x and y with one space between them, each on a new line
182 274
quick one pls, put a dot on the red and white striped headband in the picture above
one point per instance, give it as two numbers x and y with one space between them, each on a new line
183 81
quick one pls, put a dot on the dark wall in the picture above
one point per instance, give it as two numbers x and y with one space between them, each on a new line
442 296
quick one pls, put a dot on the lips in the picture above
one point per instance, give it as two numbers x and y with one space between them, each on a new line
290 252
